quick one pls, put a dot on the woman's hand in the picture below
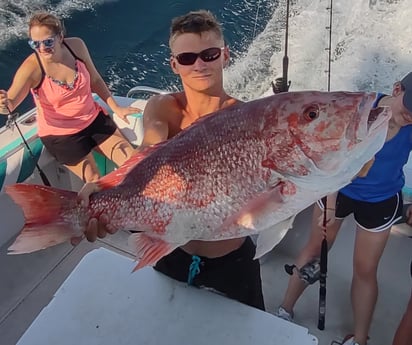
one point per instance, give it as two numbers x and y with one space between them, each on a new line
3 102
123 112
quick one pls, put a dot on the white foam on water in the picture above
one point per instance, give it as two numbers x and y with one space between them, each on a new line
371 48
15 14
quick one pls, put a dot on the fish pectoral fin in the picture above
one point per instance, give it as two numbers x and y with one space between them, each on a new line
255 214
270 237
149 249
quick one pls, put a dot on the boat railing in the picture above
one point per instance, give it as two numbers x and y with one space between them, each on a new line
24 119
144 92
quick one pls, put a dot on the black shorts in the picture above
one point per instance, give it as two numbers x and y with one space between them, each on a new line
371 216
71 149
235 275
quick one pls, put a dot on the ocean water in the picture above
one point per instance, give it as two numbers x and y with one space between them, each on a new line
371 41
127 39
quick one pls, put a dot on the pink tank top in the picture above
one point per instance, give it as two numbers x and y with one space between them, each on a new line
62 110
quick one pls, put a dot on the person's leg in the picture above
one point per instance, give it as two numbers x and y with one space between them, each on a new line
368 250
74 152
403 335
108 140
374 221
312 250
116 148
86 169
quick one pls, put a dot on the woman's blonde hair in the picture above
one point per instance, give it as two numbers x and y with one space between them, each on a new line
48 20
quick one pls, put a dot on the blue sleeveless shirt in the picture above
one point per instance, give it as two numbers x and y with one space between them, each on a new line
385 178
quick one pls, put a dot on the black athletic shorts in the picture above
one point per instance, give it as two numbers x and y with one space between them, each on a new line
371 216
71 149
235 275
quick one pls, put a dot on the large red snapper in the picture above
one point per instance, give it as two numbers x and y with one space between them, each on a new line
242 170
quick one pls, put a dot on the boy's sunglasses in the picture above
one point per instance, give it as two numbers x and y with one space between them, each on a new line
207 55
47 43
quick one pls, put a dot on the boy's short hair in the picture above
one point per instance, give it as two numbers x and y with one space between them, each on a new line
195 22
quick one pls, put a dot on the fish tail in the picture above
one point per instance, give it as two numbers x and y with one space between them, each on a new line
43 208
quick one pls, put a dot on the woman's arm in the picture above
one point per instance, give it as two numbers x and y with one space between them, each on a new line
96 81
27 76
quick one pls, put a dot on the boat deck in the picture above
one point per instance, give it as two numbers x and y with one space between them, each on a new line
28 283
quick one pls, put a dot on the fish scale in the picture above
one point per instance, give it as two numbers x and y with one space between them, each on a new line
246 169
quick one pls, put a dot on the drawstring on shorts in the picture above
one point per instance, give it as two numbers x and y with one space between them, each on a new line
194 269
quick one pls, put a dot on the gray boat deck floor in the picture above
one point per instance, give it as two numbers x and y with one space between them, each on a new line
28 282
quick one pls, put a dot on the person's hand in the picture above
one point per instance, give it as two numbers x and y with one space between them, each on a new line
3 100
409 215
123 112
330 218
88 189
96 227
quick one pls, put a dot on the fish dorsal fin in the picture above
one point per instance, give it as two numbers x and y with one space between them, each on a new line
149 249
117 176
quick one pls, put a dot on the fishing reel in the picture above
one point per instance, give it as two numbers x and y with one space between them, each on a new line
11 120
309 273
280 85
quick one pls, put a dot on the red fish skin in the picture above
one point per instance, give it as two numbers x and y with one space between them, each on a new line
192 185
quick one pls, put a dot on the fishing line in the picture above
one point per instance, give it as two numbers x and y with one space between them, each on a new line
324 245
11 121
257 15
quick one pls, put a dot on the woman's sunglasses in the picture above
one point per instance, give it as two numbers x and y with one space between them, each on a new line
207 55
47 43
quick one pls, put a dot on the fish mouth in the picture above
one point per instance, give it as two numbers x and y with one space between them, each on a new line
374 115
370 120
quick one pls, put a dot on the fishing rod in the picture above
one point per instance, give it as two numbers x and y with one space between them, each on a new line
329 48
11 121
282 84
323 266
324 246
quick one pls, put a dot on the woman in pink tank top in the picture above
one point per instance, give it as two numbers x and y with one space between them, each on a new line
61 77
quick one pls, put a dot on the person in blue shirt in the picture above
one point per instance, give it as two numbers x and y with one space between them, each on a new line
376 203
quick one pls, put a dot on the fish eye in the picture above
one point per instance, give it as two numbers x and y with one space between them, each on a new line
311 113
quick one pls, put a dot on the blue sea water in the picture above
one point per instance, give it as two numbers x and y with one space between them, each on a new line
127 39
